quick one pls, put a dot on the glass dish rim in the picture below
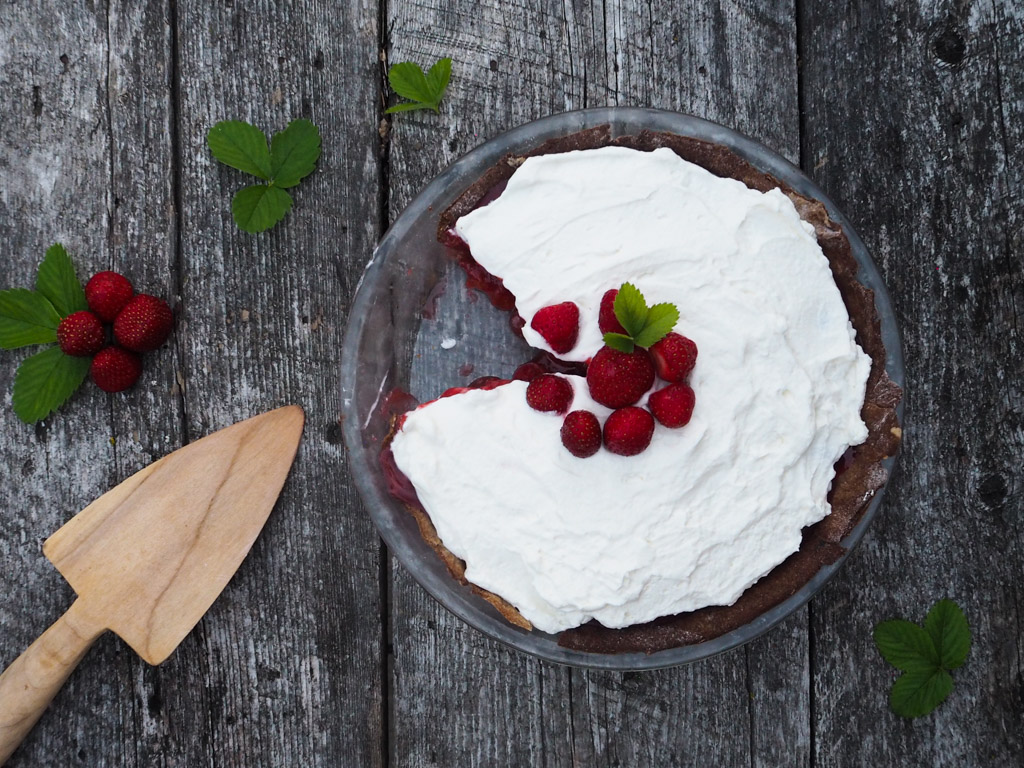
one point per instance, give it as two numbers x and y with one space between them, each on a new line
462 173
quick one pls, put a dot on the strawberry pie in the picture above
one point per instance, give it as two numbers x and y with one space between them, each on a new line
707 418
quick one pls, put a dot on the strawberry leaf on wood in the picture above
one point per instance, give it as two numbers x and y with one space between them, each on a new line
57 281
294 152
26 318
259 207
45 381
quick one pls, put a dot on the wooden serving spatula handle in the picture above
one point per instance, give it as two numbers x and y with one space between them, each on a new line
28 686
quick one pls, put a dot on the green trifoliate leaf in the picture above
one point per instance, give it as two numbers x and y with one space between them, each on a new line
918 692
661 318
947 626
906 646
294 152
438 77
259 207
242 146
58 282
45 381
26 318
409 82
620 342
630 309
424 91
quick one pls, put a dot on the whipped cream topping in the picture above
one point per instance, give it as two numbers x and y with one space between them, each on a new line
707 509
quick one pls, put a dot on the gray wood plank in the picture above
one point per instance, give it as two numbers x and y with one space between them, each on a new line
287 669
515 62
913 126
83 160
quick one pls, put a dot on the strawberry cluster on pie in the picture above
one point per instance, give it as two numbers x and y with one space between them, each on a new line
639 495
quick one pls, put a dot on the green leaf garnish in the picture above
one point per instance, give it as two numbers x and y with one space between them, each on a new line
26 318
259 207
45 381
925 656
294 152
619 341
948 628
242 146
292 155
906 645
644 325
424 91
57 281
630 309
918 692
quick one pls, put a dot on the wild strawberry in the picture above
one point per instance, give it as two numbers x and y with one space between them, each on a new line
559 324
80 334
617 379
628 431
144 323
606 319
528 371
107 293
673 405
674 357
548 392
581 434
115 369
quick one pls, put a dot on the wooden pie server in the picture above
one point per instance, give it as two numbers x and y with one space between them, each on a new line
148 558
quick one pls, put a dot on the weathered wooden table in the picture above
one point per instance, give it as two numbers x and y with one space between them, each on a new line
323 651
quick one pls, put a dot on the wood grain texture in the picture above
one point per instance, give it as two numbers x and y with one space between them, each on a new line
29 684
290 673
913 130
57 164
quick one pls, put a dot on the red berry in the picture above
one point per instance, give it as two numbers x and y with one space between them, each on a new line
80 334
674 357
144 324
559 324
628 431
107 293
618 379
528 371
606 319
549 392
581 434
673 405
115 369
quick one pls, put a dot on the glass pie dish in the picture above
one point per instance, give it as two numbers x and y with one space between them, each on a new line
415 328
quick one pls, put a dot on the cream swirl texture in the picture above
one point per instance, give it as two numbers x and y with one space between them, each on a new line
707 509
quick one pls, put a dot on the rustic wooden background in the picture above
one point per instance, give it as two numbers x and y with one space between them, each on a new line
322 651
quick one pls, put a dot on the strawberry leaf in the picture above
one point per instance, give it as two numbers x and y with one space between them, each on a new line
438 77
409 82
26 318
619 341
630 309
661 318
947 626
242 146
259 207
918 692
58 282
906 646
294 152
45 381
424 91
